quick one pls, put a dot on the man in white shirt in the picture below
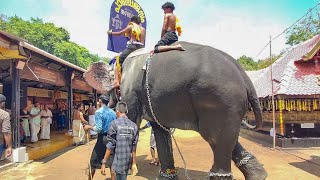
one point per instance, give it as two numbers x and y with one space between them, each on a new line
35 122
46 120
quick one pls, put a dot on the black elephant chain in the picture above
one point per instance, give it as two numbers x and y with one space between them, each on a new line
157 121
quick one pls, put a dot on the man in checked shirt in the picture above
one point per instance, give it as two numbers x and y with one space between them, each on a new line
122 140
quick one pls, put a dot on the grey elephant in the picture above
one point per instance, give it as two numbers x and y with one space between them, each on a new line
201 89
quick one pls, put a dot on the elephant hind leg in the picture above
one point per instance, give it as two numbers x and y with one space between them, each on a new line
248 164
222 150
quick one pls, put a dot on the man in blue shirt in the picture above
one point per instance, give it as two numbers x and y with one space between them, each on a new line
122 140
103 116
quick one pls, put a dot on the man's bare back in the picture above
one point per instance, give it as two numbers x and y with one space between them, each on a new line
91 110
170 20
77 115
143 34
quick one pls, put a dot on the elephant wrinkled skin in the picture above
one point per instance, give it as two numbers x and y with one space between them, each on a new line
201 89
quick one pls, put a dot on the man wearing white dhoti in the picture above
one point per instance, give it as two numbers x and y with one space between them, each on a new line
46 120
92 122
77 126
35 121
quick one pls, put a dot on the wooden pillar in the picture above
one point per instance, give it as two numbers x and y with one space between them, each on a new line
95 98
15 104
69 77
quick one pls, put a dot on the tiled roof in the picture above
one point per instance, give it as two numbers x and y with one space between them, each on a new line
291 76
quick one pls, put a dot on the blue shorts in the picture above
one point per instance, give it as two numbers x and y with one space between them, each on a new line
1 149
121 176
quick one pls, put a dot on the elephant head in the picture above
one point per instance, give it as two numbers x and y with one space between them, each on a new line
100 76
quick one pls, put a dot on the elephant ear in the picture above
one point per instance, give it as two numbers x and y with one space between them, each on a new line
100 76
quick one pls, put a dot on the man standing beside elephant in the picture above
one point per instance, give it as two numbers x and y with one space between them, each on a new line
103 117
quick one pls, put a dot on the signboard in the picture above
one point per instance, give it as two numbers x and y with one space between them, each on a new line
307 125
44 74
81 84
120 15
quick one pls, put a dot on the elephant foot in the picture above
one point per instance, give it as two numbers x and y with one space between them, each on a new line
253 170
168 174
166 178
220 176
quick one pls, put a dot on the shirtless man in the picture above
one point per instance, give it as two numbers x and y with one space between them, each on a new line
77 123
92 122
135 32
168 33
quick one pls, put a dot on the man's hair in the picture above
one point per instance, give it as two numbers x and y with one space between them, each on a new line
122 107
78 106
2 98
168 5
104 99
136 19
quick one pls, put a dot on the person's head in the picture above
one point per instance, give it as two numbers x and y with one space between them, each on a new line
2 100
36 104
104 100
136 19
79 107
46 107
168 7
121 108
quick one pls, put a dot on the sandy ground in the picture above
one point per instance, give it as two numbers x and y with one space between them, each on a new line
71 163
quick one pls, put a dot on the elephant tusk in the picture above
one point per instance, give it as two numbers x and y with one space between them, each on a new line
248 125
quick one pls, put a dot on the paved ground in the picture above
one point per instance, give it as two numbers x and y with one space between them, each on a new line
71 163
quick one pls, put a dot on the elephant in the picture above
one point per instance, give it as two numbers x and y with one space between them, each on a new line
201 89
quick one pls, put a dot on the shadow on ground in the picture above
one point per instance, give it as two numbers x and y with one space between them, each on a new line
55 155
315 160
151 172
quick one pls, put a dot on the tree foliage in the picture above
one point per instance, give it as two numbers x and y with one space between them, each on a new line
305 29
248 64
48 37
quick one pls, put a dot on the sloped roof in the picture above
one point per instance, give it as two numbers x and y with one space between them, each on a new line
291 76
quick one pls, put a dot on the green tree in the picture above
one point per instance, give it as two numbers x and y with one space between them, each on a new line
40 34
75 54
247 63
50 38
306 29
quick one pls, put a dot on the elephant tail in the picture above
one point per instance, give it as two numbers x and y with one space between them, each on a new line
254 101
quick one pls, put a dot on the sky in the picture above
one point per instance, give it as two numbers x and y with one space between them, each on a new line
237 27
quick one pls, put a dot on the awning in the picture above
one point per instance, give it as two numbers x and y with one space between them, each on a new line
6 54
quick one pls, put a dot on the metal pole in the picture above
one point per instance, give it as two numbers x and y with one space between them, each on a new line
273 110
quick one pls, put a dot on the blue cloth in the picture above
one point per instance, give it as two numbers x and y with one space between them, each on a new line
121 176
1 149
122 138
112 61
103 116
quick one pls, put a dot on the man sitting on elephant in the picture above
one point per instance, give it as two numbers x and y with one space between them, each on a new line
168 34
136 32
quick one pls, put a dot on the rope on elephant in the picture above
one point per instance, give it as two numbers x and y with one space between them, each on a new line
155 118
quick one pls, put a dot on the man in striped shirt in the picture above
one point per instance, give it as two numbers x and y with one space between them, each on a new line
5 128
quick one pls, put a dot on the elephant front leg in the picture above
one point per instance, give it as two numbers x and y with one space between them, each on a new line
165 152
248 164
